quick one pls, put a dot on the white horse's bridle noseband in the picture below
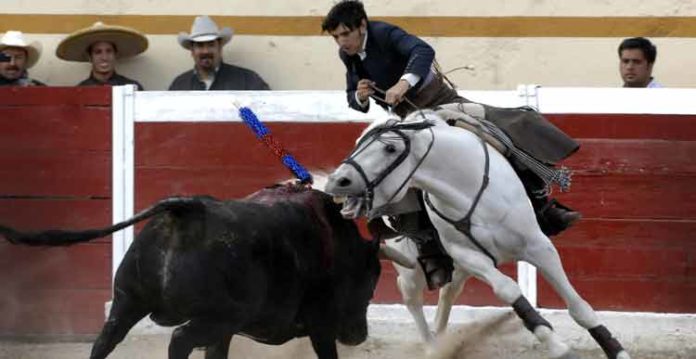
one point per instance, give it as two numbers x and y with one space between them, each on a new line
373 135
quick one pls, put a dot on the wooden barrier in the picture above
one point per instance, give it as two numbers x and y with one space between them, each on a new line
55 164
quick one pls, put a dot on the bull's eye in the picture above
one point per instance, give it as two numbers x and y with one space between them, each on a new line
389 148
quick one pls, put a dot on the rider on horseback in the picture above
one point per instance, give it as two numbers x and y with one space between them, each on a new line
377 56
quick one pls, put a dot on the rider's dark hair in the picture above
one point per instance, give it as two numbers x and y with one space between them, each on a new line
649 50
349 13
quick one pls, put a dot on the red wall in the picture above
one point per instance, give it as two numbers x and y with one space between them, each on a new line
634 178
55 171
632 183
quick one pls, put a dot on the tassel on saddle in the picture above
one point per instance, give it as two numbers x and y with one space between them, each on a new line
457 114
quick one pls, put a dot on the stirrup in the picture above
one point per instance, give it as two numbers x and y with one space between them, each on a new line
549 217
437 269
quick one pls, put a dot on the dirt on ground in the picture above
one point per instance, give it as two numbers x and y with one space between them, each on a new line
500 337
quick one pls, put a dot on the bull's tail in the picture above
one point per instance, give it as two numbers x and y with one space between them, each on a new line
64 238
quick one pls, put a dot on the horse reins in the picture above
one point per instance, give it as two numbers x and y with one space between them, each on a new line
384 93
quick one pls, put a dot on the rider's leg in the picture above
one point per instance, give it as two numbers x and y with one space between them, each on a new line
409 218
436 264
553 217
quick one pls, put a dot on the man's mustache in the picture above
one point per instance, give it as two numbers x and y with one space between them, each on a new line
205 57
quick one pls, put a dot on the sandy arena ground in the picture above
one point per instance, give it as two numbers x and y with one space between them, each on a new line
483 335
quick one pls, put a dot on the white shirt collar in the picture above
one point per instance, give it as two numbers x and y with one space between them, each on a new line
362 53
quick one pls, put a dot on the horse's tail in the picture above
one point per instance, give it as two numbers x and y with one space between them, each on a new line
65 238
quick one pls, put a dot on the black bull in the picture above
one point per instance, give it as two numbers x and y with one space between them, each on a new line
281 264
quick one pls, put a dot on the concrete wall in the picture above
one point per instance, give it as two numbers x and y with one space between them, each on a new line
553 43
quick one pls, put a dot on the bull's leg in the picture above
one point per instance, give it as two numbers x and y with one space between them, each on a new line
324 345
123 316
196 333
543 255
322 323
220 349
509 292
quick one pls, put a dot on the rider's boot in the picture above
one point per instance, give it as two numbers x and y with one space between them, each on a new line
435 262
553 217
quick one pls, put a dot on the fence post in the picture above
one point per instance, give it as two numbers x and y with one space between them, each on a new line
527 273
123 168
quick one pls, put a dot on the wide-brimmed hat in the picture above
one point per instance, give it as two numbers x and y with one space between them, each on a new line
204 29
128 41
16 39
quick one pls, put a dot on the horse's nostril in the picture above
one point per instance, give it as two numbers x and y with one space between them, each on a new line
344 182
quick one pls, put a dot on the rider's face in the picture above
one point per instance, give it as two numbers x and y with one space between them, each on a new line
349 41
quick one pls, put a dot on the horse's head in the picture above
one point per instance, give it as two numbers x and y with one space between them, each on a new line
379 170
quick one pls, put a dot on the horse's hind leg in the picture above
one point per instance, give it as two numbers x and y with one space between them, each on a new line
509 292
411 283
545 257
448 294
123 316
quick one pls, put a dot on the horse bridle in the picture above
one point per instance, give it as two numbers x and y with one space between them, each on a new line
372 136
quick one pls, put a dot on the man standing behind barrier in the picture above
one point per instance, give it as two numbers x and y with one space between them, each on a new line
637 56
397 69
205 42
19 55
102 45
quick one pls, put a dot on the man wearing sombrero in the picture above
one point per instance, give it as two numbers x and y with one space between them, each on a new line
209 72
19 55
102 45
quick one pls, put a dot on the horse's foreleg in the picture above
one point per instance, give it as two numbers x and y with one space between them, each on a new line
448 294
545 257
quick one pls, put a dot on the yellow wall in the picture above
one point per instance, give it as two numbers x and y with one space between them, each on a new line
553 43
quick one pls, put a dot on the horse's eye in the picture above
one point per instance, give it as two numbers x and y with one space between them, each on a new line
390 148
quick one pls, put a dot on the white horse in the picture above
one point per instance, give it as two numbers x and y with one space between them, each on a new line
478 206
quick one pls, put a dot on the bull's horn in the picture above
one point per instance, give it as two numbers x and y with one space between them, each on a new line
396 256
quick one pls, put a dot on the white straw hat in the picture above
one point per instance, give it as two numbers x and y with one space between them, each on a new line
16 39
204 29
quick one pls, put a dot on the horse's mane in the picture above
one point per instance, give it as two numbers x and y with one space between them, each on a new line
420 116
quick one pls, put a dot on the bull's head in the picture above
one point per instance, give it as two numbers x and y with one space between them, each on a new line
355 290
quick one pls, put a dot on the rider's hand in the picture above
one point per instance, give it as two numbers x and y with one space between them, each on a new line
364 91
396 93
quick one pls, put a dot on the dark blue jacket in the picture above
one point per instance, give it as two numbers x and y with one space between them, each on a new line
391 53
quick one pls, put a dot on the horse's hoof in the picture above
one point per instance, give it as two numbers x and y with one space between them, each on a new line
623 355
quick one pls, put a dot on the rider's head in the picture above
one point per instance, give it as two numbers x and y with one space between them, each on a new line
347 23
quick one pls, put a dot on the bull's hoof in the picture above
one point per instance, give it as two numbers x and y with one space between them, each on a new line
623 355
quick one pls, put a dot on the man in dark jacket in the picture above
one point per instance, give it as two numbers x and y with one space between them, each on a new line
210 73
397 70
